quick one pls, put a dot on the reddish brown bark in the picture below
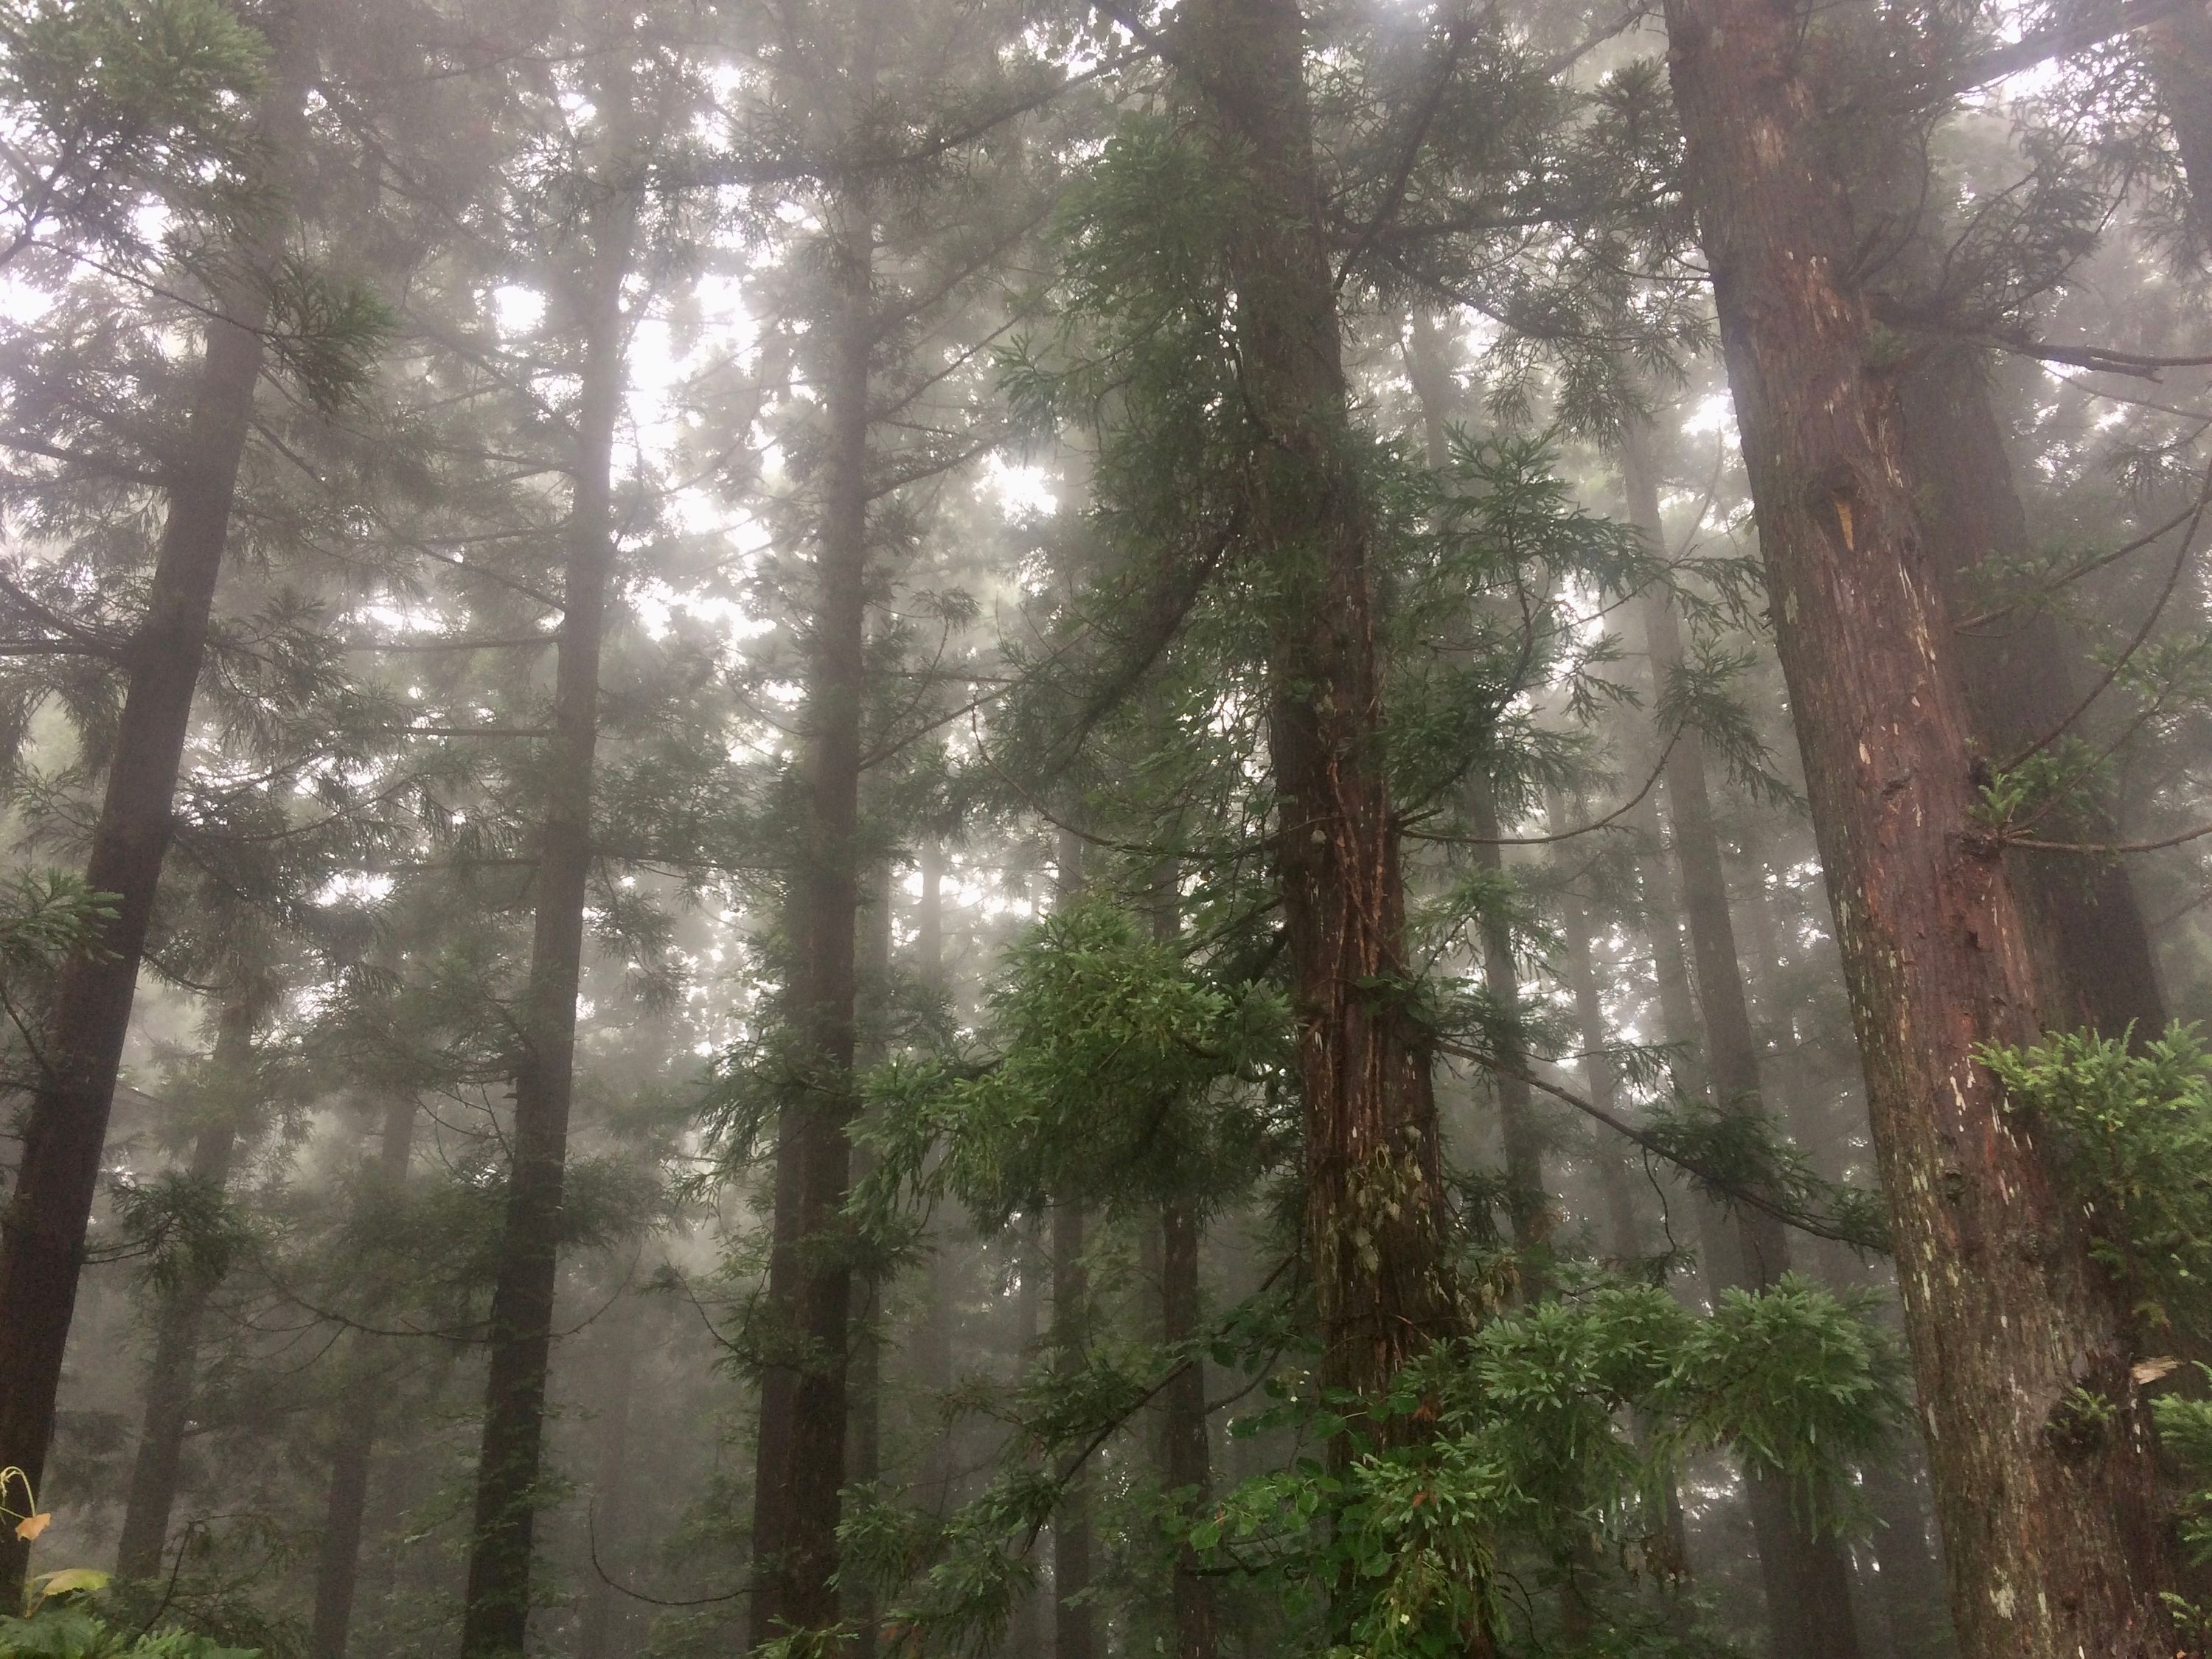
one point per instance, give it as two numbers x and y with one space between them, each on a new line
1373 1181
2053 1536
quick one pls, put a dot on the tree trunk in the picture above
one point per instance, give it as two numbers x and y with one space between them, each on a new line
1616 1192
1186 1459
1373 1175
170 1383
2052 1532
800 1465
1072 1628
496 1616
64 1131
864 1454
933 1336
346 1503
600 1632
1806 1575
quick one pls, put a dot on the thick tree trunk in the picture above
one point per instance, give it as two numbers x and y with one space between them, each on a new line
2052 1530
496 1615
800 1466
2018 685
345 1502
1374 1185
172 1380
42 1230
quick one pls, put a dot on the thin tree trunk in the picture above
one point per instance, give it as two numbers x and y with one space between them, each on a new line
172 1382
1186 1454
1373 1171
1615 1190
801 1466
496 1615
346 1503
1185 1457
933 1337
49 1208
1073 1625
1074 1633
1806 1575
600 1631
864 1451
2053 1538
1528 1201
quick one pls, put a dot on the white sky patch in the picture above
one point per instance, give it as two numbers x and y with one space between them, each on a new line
517 309
1713 413
1020 489
355 887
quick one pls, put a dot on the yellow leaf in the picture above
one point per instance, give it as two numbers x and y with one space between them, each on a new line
32 1525
2149 1370
69 1579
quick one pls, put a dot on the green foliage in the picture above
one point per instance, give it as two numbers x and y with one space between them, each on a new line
125 96
46 913
2133 1129
183 1229
1117 1076
1509 1454
1734 1155
65 1623
325 332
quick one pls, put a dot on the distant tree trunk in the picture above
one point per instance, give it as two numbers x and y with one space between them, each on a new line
1807 1575
1029 1635
1186 1459
360 1420
933 1335
64 1130
864 1454
600 1631
1623 1236
171 1381
1186 1454
1528 1201
2020 687
2054 1538
1373 1170
1072 1628
496 1615
1910 1561
800 1466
